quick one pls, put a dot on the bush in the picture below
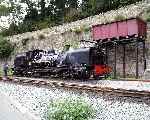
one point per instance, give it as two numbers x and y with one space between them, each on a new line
10 71
1 72
78 30
148 17
119 17
70 109
6 48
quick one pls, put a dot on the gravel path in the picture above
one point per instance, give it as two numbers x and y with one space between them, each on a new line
108 107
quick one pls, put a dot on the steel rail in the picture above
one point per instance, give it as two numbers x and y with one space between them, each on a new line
79 86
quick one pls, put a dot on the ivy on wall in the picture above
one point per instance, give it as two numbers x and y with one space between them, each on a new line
72 43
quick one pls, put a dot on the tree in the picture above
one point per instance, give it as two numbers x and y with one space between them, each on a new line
43 9
4 10
6 48
32 14
73 4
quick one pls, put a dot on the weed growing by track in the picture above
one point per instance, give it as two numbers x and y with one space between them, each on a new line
70 109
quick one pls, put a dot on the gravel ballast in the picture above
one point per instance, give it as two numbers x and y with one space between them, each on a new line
109 107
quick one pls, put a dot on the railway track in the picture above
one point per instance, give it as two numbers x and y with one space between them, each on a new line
78 85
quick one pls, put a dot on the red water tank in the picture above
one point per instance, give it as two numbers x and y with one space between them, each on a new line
130 27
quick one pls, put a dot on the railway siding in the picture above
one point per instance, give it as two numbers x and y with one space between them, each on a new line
139 89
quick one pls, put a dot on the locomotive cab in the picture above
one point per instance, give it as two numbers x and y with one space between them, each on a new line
84 62
98 62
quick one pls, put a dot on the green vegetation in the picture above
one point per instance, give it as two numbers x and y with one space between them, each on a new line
78 30
73 44
10 71
109 78
6 48
55 12
70 109
148 18
119 17
87 29
1 71
147 15
4 10
24 41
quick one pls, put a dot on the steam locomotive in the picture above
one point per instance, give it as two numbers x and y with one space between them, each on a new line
83 63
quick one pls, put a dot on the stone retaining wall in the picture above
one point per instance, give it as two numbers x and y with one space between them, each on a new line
58 36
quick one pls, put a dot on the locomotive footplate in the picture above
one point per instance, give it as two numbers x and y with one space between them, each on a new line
42 72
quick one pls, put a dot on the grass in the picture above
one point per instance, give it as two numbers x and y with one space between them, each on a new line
70 109
109 78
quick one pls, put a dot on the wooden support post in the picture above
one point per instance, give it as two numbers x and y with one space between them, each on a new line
144 57
106 56
124 57
137 61
115 60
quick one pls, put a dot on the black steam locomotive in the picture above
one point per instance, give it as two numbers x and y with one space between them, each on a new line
83 63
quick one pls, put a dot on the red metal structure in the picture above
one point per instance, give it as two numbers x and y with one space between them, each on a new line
133 27
123 32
